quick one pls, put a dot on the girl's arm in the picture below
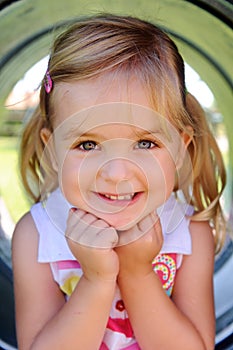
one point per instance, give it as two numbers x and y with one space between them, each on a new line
185 322
44 320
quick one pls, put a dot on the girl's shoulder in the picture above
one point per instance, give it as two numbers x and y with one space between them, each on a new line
24 247
203 249
25 234
202 238
24 226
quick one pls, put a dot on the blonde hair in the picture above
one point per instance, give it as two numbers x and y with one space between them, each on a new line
99 44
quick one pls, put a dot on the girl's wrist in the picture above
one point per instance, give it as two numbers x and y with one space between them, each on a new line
139 272
100 279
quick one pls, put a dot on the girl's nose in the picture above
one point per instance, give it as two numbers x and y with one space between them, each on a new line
116 170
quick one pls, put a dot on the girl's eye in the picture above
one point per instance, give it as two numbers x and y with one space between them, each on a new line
145 144
87 145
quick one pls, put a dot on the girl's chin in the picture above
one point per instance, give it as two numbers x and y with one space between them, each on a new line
116 220
125 227
122 226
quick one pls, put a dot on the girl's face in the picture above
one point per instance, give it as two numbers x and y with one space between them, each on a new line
115 157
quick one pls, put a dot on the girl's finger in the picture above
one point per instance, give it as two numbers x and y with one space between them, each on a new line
77 215
88 230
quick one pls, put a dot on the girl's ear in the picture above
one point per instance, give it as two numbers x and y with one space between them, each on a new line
47 139
45 135
186 138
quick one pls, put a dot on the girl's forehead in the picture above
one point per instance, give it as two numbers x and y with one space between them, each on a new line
74 97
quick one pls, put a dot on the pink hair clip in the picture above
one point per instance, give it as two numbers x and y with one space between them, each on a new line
48 83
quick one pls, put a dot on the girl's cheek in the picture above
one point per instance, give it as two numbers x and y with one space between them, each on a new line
162 175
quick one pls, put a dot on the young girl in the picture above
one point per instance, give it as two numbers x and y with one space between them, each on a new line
118 250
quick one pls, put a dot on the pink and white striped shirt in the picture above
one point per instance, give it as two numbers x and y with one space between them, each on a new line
50 219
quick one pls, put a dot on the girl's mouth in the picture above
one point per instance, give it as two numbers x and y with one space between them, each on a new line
127 198
119 197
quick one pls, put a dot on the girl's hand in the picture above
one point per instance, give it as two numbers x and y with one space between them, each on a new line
91 241
138 246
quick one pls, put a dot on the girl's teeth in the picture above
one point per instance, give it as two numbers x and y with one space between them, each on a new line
126 197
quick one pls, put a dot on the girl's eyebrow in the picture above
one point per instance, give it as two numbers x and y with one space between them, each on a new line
158 133
75 133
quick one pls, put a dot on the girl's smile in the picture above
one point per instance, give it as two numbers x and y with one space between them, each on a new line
118 197
120 200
